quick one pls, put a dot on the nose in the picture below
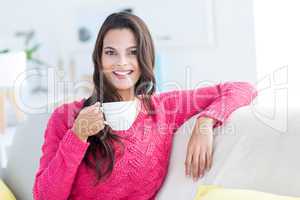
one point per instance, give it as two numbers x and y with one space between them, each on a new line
123 61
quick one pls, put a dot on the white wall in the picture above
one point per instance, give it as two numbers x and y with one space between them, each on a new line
277 49
232 57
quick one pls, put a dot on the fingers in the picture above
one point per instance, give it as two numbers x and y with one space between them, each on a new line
96 109
197 162
209 159
195 165
95 106
96 126
202 163
188 162
92 112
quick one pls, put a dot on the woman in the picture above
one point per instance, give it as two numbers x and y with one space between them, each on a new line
84 158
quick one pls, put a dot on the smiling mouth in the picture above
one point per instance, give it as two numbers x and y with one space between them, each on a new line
122 73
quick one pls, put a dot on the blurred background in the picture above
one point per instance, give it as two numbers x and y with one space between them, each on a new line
46 46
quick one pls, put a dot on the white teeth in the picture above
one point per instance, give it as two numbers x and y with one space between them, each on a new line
123 72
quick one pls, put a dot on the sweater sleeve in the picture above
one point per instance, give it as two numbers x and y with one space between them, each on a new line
62 153
216 101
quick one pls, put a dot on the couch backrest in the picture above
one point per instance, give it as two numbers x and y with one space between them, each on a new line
23 156
250 152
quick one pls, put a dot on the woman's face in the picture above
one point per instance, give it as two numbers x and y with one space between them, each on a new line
119 59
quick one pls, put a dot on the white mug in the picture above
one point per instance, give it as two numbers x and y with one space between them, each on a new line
120 115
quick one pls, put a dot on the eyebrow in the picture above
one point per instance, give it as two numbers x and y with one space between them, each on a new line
109 47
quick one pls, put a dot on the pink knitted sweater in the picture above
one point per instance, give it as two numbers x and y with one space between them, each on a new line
140 173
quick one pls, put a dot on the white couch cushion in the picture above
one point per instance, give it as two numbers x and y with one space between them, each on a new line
248 154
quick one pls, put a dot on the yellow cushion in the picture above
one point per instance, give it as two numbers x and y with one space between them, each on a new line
211 192
5 193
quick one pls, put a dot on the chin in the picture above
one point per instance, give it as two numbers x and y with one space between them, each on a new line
124 85
124 88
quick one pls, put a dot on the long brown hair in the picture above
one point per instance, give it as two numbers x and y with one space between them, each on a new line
101 153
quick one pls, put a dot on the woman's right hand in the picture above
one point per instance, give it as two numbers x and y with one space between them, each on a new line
88 122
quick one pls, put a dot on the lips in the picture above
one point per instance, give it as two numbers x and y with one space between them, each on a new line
122 73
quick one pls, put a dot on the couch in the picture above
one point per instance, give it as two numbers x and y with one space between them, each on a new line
249 153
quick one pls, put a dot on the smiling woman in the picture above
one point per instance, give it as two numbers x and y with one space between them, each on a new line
84 158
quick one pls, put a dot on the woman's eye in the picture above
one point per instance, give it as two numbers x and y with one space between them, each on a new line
133 52
109 52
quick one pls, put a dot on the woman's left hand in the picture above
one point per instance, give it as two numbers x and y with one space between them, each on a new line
199 149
